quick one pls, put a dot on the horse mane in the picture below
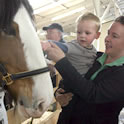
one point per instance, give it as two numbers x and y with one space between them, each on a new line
8 9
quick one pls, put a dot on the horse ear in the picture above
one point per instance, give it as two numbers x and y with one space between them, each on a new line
16 27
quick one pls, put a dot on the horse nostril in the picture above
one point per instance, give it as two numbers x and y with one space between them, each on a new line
40 106
21 102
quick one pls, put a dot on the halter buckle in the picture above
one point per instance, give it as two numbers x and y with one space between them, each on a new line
7 78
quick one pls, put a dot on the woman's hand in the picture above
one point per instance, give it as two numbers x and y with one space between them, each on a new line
63 98
54 52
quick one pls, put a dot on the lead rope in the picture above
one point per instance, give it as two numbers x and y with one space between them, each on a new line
31 121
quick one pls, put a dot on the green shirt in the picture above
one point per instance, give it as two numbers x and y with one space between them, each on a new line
102 59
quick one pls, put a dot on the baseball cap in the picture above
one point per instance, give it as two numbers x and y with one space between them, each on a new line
54 26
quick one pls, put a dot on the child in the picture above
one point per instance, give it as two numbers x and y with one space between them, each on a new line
81 53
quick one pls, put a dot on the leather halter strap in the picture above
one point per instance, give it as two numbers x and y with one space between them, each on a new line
8 79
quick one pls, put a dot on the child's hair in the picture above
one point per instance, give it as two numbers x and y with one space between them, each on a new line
90 16
120 19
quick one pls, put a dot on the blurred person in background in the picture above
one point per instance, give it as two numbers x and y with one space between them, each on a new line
54 33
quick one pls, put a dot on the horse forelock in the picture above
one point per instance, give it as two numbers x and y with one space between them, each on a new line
8 9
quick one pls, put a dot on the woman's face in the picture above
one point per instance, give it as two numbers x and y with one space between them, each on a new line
114 41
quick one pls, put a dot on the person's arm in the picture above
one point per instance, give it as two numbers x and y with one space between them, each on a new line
106 90
62 46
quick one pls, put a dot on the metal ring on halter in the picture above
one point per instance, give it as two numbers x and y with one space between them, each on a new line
7 78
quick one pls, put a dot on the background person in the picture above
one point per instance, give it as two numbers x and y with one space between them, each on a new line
54 33
101 91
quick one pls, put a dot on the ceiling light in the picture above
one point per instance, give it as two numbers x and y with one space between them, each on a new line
50 6
68 14
37 3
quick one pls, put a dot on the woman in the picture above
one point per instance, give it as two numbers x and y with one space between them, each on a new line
101 91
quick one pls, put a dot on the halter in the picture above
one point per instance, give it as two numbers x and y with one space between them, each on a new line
8 79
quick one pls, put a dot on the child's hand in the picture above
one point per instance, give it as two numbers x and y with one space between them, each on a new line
45 45
63 98
54 52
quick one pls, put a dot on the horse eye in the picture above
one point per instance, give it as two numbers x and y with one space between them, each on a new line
10 31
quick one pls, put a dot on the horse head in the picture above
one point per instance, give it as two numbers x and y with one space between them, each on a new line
22 58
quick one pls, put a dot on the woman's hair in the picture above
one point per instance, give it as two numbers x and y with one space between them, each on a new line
92 17
120 19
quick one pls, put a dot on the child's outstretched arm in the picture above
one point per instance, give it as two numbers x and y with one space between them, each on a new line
62 46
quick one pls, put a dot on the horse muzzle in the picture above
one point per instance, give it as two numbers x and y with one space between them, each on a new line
35 111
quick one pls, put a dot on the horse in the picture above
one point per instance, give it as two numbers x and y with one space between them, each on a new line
23 69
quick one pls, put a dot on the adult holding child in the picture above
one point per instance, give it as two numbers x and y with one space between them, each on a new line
101 91
81 53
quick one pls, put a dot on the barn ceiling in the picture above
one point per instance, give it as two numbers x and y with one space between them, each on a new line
66 12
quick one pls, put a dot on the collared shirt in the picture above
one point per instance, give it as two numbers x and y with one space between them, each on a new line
102 59
62 41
